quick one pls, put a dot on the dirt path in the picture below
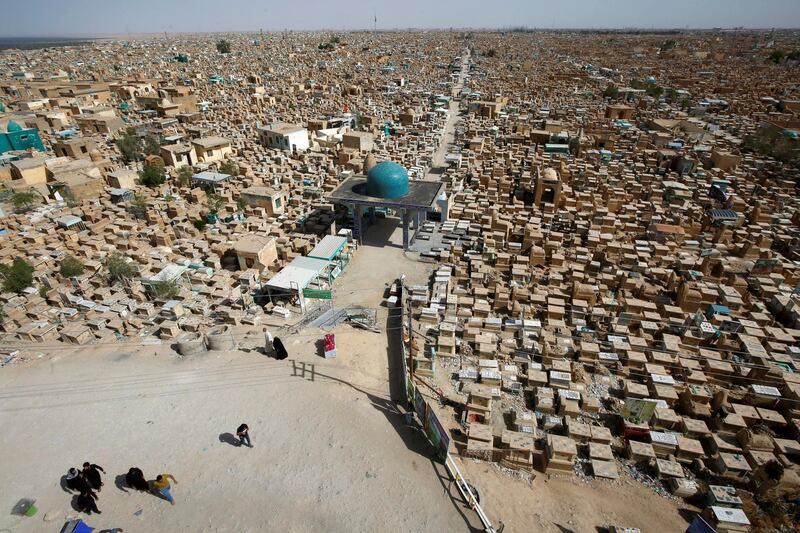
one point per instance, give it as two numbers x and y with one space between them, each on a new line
439 165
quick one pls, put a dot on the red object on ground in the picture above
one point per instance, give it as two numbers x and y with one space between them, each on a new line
330 342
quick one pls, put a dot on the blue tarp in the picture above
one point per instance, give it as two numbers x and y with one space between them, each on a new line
76 526
699 525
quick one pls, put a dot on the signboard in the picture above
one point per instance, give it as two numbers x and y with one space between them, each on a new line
409 387
318 294
638 410
420 407
434 430
436 433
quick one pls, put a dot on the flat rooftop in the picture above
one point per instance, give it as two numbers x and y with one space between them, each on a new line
421 194
283 128
211 142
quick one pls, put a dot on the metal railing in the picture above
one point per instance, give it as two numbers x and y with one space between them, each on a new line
469 497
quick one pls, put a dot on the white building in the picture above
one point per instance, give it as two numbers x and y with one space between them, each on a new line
284 136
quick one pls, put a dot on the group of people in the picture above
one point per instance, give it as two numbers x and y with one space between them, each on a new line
274 346
88 481
135 480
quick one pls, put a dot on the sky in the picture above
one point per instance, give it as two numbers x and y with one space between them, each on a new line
39 18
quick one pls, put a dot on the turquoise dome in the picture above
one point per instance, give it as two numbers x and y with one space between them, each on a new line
387 180
13 127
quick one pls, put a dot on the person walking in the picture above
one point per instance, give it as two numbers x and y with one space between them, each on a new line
280 349
91 472
76 481
243 432
163 486
268 349
135 479
86 502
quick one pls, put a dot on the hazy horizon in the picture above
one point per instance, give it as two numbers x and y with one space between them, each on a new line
93 18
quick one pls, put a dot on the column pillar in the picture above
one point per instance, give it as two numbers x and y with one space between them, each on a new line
372 215
406 222
357 223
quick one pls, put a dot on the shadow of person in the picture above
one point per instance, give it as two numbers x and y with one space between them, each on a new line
121 483
320 346
74 503
64 485
228 438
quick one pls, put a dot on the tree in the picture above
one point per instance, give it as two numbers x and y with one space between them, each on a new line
2 314
152 145
138 205
771 143
223 46
611 92
668 45
152 175
119 268
23 200
16 276
241 205
185 176
574 145
200 224
777 56
491 52
166 290
229 167
130 146
70 267
215 203
654 90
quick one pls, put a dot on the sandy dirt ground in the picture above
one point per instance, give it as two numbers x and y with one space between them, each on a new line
562 504
328 454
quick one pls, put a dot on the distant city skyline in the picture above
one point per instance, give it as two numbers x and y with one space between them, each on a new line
45 18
